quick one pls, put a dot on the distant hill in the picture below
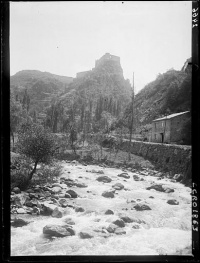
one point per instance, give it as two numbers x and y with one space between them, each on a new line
41 86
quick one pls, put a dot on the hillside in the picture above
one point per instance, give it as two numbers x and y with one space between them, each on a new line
169 93
41 86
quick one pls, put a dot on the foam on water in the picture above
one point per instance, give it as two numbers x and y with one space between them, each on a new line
167 228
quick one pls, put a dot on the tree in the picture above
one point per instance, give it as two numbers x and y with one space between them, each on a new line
73 138
36 143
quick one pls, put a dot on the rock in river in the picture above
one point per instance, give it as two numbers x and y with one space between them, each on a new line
124 175
172 202
160 188
18 222
126 219
57 213
104 179
86 234
140 207
109 212
119 223
72 193
58 231
118 186
108 194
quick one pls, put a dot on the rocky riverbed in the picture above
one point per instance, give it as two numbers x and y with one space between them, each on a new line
95 210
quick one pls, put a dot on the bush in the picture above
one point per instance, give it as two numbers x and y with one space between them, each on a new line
20 169
36 143
47 174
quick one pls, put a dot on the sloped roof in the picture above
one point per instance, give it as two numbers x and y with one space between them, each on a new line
171 116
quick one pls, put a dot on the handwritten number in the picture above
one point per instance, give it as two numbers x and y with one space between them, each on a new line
194 25
195 20
193 10
195 15
195 228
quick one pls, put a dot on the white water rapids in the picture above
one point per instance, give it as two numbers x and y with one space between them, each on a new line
167 230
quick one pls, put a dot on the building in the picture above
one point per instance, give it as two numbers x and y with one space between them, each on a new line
167 129
99 62
106 57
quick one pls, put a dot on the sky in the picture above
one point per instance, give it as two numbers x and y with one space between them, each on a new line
66 37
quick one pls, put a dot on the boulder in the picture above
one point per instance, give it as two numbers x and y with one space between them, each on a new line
118 186
48 208
124 175
18 222
21 211
135 226
58 231
16 190
63 202
36 210
81 185
67 195
109 212
119 223
104 179
136 177
56 189
126 219
79 209
173 202
108 194
57 213
57 185
72 193
86 234
69 221
119 231
157 187
111 228
169 190
141 207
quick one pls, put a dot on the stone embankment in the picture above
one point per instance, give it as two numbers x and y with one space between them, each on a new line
170 157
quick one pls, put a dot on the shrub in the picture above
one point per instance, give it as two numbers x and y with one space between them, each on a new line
48 173
36 143
20 169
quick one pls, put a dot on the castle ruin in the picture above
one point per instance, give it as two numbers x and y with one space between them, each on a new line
99 62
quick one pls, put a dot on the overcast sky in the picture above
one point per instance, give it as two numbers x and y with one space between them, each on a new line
66 37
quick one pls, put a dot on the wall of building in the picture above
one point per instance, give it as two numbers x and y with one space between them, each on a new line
161 127
169 157
105 57
176 126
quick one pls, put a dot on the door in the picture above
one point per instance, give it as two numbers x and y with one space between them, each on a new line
162 137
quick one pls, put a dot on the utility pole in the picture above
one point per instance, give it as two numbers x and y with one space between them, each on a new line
131 124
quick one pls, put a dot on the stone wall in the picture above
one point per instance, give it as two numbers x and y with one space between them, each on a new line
169 157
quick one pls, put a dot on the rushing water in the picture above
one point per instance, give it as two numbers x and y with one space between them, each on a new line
167 229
